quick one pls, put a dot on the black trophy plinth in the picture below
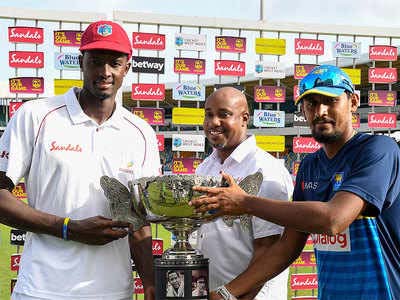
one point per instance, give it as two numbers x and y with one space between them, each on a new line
181 278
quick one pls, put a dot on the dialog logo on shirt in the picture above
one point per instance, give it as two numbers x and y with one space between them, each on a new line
338 243
337 181
65 147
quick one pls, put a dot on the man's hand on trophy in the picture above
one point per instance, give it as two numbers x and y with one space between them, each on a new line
220 201
96 230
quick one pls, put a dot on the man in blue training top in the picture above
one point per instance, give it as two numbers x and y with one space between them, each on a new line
346 196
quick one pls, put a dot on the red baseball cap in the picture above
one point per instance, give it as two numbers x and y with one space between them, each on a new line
106 35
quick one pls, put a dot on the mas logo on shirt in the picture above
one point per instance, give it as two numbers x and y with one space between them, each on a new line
309 185
337 180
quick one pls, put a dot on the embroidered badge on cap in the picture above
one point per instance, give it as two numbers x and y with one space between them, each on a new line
104 30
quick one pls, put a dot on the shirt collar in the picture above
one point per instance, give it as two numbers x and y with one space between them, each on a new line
245 148
78 116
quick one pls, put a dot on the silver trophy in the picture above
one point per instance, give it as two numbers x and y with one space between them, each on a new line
164 199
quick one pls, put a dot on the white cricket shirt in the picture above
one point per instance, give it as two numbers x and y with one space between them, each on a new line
62 154
230 249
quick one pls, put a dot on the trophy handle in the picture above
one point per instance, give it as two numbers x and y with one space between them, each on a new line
251 184
120 202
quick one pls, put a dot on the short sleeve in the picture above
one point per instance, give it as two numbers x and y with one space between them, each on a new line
374 172
280 188
16 145
298 194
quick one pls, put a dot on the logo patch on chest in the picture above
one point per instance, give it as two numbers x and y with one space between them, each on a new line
337 180
338 243
54 146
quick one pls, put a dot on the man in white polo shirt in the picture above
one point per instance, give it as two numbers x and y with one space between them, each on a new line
231 246
62 146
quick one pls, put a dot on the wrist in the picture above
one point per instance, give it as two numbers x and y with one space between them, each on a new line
225 293
64 233
246 203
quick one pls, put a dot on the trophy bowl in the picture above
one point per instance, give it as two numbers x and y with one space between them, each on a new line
165 199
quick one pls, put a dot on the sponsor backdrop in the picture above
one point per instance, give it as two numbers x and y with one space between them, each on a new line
228 58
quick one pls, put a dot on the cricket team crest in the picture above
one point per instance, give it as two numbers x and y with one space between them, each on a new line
104 30
337 180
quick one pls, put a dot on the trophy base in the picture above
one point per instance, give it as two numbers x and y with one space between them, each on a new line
181 276
189 254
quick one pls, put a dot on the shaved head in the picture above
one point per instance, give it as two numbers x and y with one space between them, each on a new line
226 118
233 96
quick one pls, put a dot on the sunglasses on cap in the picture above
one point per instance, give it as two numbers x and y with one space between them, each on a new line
326 80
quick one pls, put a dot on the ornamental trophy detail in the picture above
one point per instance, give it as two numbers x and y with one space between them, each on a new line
164 200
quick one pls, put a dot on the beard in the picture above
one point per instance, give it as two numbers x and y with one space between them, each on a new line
326 138
323 136
219 146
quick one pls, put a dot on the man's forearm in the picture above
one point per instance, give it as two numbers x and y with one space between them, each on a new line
264 267
15 213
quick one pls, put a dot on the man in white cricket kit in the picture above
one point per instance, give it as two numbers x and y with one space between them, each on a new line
62 146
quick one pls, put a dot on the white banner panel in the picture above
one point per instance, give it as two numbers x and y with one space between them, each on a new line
269 118
189 92
188 142
66 61
346 49
193 42
273 70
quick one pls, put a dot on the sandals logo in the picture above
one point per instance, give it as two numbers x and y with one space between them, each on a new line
67 147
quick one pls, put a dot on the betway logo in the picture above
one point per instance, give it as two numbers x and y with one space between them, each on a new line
338 243
147 64
299 119
17 237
